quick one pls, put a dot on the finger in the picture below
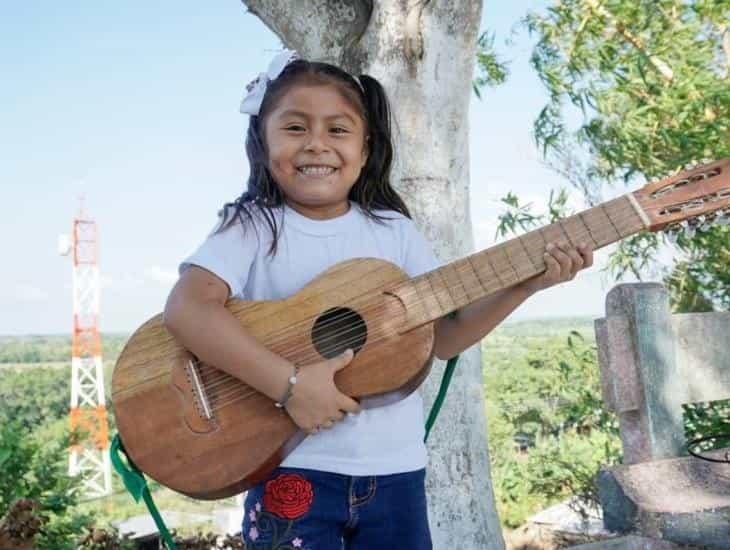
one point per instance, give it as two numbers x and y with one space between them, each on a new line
561 255
552 271
328 424
336 417
587 253
347 404
576 262
342 360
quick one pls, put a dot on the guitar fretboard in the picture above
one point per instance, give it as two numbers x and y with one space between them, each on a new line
456 284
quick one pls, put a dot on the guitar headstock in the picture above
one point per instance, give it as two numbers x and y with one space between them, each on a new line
692 197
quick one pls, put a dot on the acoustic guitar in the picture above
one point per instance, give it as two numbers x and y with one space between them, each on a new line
208 435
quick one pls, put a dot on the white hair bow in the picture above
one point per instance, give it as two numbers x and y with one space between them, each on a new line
256 89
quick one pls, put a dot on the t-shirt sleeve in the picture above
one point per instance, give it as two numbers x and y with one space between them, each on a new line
228 254
418 254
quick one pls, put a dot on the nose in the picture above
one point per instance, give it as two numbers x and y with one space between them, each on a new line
316 141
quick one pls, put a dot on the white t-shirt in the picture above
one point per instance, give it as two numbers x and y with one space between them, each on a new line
379 441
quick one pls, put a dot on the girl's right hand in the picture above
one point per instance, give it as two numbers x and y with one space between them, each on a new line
316 402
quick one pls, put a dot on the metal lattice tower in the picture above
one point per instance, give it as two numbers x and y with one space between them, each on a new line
89 454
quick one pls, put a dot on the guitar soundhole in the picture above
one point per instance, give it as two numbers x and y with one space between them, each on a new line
337 329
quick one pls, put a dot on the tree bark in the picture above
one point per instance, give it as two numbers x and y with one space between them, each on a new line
423 53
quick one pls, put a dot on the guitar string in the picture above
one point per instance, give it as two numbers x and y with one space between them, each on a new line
236 386
211 385
349 314
273 341
500 273
237 383
454 297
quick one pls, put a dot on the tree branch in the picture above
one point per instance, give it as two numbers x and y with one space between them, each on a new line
319 29
660 66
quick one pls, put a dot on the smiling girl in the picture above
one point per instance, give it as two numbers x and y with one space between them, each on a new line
319 193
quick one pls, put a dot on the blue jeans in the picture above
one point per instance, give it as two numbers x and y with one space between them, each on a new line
303 509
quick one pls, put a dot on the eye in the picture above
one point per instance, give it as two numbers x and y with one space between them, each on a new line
344 130
294 127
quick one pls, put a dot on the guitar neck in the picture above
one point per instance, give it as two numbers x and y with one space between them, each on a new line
456 284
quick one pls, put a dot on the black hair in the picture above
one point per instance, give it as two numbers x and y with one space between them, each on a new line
372 190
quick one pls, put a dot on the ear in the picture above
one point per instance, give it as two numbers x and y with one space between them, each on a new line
365 151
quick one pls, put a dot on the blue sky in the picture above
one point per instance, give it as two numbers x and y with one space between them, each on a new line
135 106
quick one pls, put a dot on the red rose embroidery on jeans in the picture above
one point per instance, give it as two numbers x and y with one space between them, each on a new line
288 496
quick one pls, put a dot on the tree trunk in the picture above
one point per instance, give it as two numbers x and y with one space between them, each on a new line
423 53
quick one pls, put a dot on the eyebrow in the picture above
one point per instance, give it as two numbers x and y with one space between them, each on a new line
292 112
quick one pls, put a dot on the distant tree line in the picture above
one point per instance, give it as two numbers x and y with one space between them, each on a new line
51 349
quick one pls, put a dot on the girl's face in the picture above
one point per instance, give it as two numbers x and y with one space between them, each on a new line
317 148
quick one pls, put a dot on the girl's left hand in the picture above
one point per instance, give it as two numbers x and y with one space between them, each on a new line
563 263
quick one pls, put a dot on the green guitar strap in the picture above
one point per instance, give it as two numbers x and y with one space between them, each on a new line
136 484
445 381
436 407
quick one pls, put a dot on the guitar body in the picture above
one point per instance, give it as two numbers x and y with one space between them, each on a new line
207 434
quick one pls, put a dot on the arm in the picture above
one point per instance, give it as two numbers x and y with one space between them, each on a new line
475 321
195 314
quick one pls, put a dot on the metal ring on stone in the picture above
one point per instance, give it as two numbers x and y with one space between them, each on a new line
694 442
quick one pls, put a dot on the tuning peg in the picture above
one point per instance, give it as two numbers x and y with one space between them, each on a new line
702 222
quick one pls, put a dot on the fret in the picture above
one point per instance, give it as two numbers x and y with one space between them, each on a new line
519 260
527 253
552 234
490 263
486 273
541 234
578 230
602 226
608 217
565 232
445 290
471 283
482 286
426 298
500 249
536 243
582 219
622 214
454 282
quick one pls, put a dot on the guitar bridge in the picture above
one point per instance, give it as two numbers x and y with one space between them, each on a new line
202 404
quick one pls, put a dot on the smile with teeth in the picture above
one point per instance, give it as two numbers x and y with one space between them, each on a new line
316 170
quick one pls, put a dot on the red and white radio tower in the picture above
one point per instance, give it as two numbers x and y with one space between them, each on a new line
89 455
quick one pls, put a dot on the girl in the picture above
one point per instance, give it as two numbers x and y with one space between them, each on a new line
319 148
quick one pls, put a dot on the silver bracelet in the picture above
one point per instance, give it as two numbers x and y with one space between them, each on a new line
289 390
